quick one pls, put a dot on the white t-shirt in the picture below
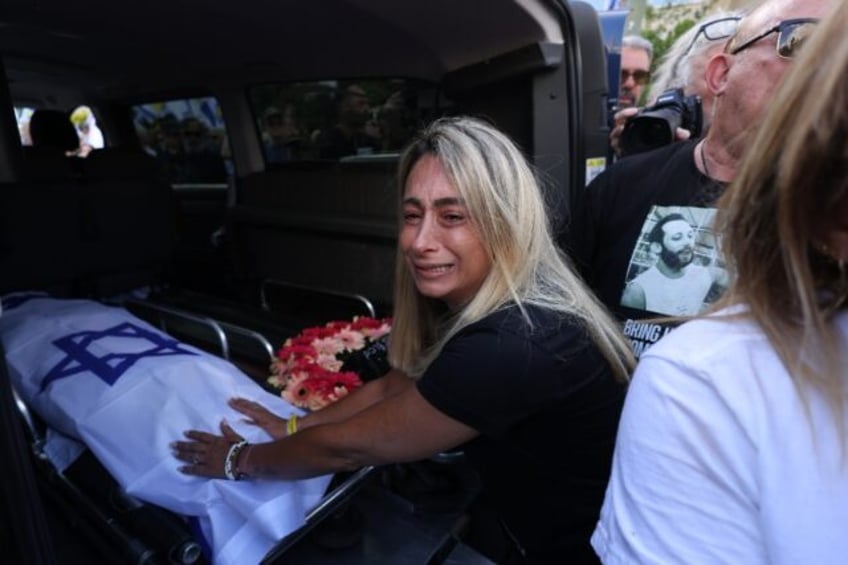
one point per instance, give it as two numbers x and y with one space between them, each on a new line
717 460
683 296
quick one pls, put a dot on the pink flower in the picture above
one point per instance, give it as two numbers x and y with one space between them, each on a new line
308 367
329 362
299 391
351 340
278 381
328 345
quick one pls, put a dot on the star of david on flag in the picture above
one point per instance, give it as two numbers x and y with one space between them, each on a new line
110 366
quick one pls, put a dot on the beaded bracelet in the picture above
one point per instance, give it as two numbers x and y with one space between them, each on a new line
291 425
230 463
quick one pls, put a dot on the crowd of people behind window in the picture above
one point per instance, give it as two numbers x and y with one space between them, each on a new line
338 123
186 150
347 122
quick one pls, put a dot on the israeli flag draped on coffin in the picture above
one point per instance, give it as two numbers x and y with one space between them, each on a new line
127 390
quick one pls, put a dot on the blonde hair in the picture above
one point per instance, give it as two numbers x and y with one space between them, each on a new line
505 203
782 200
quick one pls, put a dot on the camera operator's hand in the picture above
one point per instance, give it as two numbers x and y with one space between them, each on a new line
619 120
682 134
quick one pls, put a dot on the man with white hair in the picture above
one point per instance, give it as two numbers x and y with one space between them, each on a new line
604 238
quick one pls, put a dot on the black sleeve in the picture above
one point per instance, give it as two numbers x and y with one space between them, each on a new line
490 380
580 239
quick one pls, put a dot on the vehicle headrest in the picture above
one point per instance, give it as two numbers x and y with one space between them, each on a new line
48 164
119 163
53 128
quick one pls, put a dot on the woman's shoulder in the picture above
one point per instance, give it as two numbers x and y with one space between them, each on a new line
529 320
725 330
708 345
519 330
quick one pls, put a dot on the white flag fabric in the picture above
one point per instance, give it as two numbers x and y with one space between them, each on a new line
127 390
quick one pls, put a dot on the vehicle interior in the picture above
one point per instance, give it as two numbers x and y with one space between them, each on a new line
245 187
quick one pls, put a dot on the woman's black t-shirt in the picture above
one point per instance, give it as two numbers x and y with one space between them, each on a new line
547 407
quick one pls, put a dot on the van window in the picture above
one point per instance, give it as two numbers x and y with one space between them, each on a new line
187 138
339 120
83 120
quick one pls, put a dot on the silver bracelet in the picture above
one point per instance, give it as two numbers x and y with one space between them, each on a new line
230 469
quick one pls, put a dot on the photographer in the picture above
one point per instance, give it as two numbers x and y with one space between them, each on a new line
636 56
604 238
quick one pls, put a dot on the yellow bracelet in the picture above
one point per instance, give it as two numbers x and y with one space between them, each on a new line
291 425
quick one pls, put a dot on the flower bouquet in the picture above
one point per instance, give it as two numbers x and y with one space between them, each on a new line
313 369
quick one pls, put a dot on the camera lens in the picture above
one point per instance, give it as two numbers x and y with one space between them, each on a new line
657 126
645 132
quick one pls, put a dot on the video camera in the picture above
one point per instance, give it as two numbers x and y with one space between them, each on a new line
655 125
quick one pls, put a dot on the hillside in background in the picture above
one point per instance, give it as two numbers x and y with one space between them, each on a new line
663 22
665 18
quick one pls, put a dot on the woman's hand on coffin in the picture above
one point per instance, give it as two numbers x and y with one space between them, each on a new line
205 453
258 415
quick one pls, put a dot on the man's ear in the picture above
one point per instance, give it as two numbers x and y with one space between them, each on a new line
716 72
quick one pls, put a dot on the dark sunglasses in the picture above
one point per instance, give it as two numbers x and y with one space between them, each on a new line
715 30
791 34
639 76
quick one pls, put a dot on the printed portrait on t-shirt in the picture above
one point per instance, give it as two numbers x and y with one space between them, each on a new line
676 267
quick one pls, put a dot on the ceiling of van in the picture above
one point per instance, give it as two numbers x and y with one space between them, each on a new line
121 45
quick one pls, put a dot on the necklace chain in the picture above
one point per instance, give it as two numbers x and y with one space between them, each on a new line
712 189
704 160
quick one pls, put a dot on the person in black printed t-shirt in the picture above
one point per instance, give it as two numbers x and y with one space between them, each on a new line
497 347
606 238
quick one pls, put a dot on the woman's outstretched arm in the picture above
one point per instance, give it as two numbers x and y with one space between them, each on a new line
401 427
392 383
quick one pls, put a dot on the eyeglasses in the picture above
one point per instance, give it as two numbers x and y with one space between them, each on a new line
791 34
640 77
716 30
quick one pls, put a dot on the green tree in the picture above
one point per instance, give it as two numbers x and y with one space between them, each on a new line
662 42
